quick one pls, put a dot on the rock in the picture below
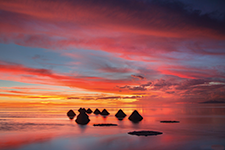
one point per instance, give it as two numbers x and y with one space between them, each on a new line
105 112
169 121
89 111
82 118
120 115
105 124
145 133
97 111
135 116
71 114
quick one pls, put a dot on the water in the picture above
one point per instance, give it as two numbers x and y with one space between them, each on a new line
201 127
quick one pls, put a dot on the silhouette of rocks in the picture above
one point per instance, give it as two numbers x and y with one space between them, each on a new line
145 133
82 110
89 111
82 118
105 124
135 117
97 111
71 114
120 115
169 121
105 112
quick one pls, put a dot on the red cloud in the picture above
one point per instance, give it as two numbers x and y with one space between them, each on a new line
20 73
190 72
133 30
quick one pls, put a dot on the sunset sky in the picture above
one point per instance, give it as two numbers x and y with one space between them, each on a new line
111 51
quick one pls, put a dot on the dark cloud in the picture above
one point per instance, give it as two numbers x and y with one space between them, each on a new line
170 92
131 97
135 88
110 97
162 84
147 84
138 76
73 98
190 83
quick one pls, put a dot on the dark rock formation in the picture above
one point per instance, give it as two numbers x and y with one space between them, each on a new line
82 118
169 121
135 116
105 124
97 111
89 111
82 110
144 133
105 112
71 114
120 115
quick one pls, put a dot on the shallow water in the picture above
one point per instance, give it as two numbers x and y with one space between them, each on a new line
201 127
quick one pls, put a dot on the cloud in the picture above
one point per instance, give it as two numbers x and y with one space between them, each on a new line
138 76
89 25
17 72
112 42
191 72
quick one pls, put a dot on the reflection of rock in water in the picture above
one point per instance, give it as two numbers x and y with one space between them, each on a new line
97 111
120 115
89 111
71 114
105 112
82 118
145 133
169 121
82 110
135 116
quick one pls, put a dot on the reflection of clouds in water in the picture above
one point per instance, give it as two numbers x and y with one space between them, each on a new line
194 131
15 126
109 142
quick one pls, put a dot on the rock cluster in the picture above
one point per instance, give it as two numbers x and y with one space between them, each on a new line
83 118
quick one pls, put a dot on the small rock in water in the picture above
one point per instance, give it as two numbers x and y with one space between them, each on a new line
120 115
82 118
105 112
71 114
89 111
169 121
105 124
145 133
135 117
97 111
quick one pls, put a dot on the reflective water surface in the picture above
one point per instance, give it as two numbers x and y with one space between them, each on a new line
201 127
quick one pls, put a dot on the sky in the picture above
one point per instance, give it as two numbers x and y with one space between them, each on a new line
111 52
